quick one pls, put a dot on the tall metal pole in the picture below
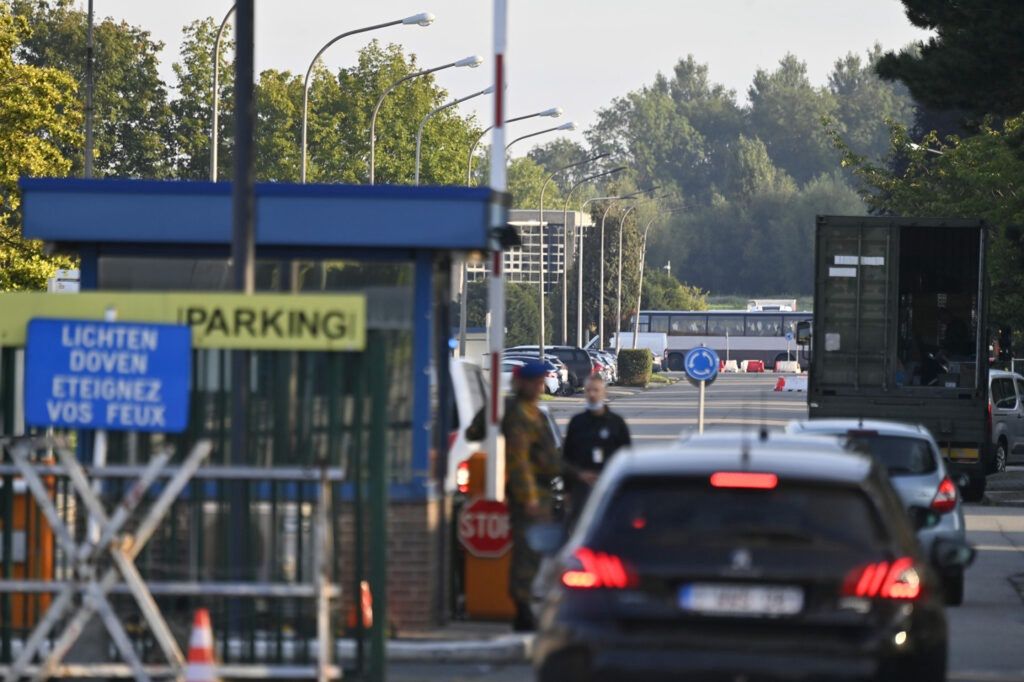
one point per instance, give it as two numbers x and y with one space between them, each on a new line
434 112
554 112
89 87
215 128
423 19
618 294
468 61
640 286
495 478
618 313
242 256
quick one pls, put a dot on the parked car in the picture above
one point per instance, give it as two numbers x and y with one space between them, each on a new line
1006 412
731 558
552 382
555 365
601 365
576 359
914 463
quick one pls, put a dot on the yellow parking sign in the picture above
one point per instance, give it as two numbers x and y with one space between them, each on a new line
327 322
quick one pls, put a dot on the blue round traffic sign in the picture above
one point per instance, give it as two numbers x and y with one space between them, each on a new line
789 337
701 364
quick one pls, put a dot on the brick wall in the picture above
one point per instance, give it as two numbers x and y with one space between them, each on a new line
412 562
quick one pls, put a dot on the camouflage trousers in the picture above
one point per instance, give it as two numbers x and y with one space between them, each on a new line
525 562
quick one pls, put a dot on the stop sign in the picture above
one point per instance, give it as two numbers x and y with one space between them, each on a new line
484 528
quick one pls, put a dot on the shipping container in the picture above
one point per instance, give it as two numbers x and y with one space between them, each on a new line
900 330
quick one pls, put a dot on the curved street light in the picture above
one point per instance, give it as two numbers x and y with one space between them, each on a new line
579 260
571 125
640 286
215 132
434 112
553 112
540 231
421 19
472 62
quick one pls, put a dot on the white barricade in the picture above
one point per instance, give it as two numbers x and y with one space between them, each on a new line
787 367
797 383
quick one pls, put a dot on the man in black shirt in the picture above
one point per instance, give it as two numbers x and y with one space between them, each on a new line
593 437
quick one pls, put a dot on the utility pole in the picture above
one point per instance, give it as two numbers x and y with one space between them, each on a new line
242 258
89 84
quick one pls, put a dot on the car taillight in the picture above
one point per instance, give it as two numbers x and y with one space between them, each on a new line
897 580
597 570
988 423
462 477
945 497
744 479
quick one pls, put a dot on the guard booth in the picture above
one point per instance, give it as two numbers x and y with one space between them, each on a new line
239 539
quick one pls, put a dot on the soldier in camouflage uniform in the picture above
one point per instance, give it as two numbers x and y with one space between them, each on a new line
532 461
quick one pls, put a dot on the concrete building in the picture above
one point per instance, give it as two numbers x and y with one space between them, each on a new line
522 263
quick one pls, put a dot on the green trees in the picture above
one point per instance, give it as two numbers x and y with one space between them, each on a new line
39 120
974 63
132 113
751 177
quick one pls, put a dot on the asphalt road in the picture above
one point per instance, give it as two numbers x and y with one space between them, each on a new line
986 633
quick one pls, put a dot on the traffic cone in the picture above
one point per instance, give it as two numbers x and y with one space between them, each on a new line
780 385
200 667
365 606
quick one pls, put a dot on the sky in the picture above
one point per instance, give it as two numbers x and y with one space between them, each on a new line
576 54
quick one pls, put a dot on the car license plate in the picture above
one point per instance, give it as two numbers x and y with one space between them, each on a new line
744 600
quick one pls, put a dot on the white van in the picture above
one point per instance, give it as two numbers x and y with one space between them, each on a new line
1006 410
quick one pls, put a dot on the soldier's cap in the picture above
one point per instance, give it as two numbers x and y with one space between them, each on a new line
532 369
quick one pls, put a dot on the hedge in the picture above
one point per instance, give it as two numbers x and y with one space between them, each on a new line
635 366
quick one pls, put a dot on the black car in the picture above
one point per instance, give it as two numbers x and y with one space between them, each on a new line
576 359
744 558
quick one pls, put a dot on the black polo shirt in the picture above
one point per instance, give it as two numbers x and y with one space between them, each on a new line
593 438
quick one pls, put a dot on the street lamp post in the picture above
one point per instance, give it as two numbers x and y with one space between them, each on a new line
640 286
553 112
421 19
579 261
215 131
434 112
540 231
471 61
618 287
571 125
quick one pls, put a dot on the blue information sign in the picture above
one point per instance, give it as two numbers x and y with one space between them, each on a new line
701 364
120 376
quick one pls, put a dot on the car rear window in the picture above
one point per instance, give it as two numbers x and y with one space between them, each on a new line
649 516
901 455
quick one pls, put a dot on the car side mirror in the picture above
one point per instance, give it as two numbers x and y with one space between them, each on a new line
952 554
546 538
922 518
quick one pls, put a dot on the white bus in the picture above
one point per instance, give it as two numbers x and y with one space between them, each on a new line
733 334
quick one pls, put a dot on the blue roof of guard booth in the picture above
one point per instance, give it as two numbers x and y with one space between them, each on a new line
72 210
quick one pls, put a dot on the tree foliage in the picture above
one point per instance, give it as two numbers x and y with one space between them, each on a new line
39 120
974 63
981 176
132 114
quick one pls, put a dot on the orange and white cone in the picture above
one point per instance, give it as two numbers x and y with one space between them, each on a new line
201 667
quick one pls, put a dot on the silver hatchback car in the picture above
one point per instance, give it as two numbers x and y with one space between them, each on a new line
917 470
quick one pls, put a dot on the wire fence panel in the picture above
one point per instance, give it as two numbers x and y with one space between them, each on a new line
307 411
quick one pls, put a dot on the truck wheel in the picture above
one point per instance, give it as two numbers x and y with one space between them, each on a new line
953 587
999 461
675 362
975 488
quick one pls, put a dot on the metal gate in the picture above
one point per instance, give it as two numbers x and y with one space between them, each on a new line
320 422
